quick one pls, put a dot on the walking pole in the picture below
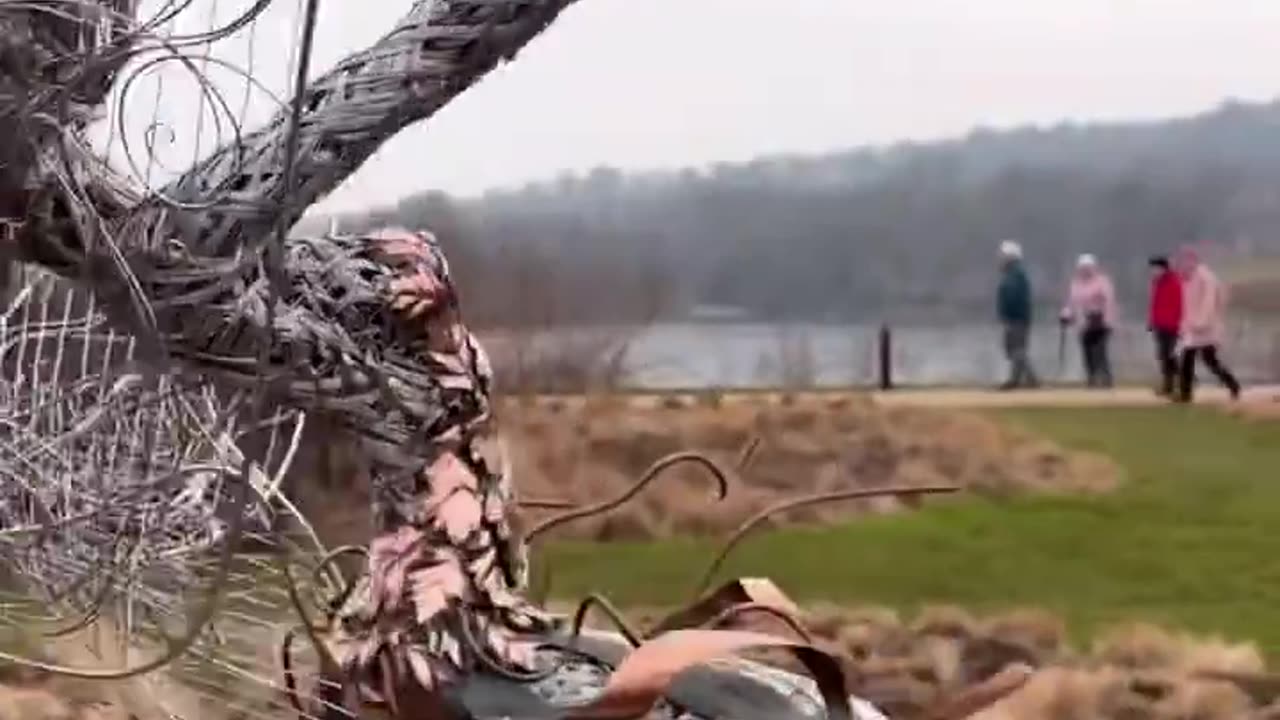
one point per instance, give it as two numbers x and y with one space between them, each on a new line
1062 350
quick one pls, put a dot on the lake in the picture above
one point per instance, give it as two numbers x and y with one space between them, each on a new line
746 355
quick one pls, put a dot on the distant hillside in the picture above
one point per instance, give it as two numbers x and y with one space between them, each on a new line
899 233
1255 285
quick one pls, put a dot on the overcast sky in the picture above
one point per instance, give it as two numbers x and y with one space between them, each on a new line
670 83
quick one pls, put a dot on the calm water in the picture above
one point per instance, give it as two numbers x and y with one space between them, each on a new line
679 355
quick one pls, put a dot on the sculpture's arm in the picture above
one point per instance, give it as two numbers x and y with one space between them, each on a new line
436 51
57 61
439 49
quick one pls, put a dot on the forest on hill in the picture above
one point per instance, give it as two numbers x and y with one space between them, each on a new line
902 233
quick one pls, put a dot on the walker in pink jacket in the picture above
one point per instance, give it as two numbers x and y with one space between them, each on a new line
1204 304
1091 293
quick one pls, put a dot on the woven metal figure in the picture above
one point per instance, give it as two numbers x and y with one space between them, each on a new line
323 327
366 330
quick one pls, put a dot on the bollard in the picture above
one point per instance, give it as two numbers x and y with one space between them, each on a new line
886 358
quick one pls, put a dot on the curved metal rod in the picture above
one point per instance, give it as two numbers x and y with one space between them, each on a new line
389 684
95 611
346 587
655 470
482 654
295 599
748 452
61 594
38 505
86 578
203 616
542 592
615 617
291 681
745 456
754 521
290 678
731 613
540 504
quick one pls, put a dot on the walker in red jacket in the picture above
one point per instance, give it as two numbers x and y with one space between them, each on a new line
1165 320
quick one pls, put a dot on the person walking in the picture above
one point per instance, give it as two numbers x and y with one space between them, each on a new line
1091 304
1203 327
1164 320
1013 307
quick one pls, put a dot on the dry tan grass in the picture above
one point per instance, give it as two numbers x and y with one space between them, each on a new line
1144 647
901 664
1139 671
1262 409
32 694
592 449
584 449
1131 673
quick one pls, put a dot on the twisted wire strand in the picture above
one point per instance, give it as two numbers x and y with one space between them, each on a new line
718 473
755 521
131 40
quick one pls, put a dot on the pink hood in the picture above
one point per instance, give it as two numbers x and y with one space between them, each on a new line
1091 294
1205 304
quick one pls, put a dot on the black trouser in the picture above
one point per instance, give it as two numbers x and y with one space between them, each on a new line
1097 364
1017 337
1211 361
1167 358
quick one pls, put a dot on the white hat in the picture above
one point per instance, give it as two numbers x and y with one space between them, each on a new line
1087 260
1010 249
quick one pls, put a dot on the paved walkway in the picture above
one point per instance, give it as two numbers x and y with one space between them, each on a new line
940 397
1058 397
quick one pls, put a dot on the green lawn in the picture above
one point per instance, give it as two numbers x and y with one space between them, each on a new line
1191 540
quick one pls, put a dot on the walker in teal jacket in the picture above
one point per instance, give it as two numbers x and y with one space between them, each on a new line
1013 299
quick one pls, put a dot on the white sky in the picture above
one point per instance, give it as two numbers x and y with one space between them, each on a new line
670 83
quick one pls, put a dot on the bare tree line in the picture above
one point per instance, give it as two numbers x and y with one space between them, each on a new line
865 235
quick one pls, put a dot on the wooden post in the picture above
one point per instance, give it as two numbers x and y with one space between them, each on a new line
886 358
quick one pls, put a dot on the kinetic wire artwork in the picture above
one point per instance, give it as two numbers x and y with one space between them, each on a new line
162 348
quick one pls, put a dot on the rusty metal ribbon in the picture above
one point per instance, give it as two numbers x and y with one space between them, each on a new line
742 591
645 675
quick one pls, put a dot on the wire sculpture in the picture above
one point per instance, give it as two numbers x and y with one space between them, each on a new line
129 484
